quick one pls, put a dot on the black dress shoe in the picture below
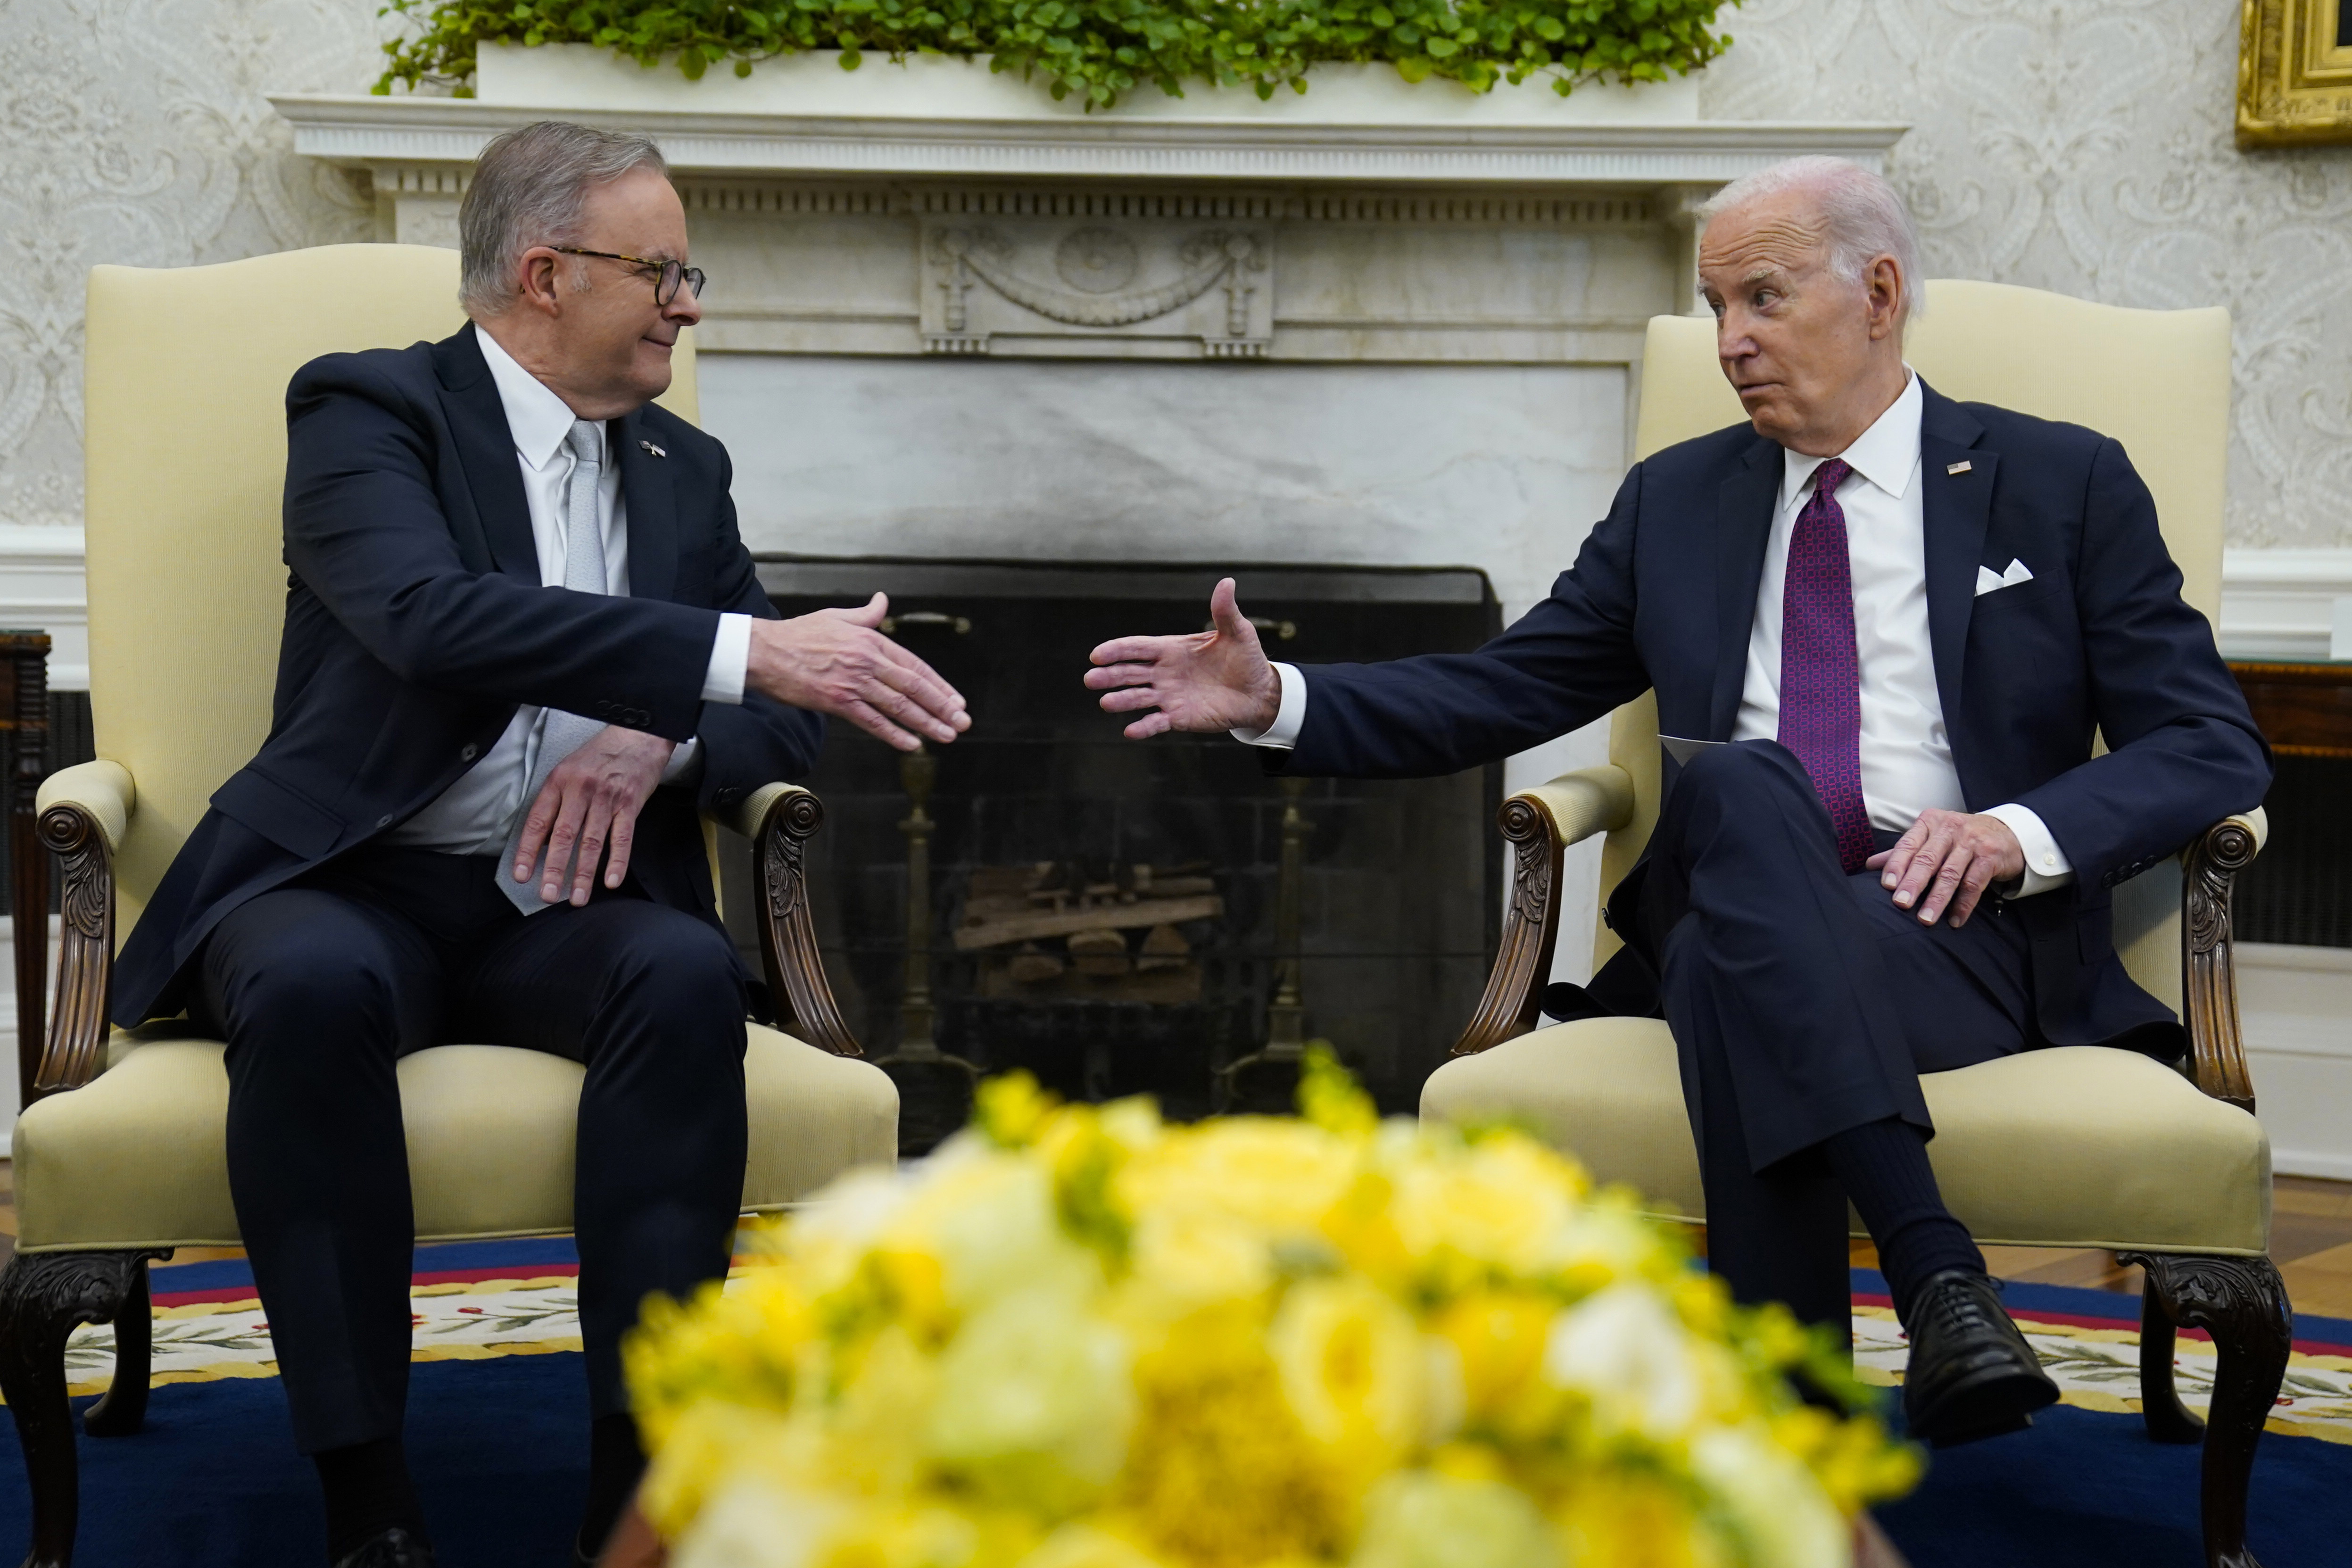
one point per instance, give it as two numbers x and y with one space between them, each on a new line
395 1547
1971 1375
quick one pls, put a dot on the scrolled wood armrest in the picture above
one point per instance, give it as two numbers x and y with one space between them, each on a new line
85 811
103 789
1540 824
779 819
1586 802
2217 1050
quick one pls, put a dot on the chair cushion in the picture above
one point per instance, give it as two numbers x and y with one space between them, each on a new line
2074 1146
138 1157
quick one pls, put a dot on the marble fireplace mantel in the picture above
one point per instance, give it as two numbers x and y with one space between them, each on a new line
1616 172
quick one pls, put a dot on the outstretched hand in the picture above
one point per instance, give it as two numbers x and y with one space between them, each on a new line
1211 681
838 662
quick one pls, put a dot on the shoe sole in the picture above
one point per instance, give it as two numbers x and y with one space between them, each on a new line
1991 1405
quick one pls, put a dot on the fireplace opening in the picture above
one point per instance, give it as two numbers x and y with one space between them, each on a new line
1120 916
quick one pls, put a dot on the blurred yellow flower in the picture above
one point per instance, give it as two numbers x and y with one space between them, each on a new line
1079 1338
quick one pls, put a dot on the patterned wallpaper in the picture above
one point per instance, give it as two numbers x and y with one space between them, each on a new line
2069 146
2087 149
135 131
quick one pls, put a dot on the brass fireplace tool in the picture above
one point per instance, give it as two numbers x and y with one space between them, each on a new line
1286 1015
917 770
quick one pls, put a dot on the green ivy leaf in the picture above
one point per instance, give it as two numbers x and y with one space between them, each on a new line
1099 50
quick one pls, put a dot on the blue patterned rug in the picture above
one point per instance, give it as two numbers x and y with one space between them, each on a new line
497 1419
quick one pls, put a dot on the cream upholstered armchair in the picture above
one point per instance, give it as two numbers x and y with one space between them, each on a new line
123 1156
2075 1147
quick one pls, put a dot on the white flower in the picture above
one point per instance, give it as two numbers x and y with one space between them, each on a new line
1418 1520
1624 1349
1779 1509
758 1524
989 1217
1035 1401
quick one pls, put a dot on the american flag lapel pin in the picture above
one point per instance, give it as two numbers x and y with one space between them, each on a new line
656 451
1959 468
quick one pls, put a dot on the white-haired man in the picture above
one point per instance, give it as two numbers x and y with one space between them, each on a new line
523 645
1891 624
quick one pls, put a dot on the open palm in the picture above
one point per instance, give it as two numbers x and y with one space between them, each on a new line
1203 681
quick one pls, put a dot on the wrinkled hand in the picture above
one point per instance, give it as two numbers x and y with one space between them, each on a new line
1216 680
1951 858
836 662
590 799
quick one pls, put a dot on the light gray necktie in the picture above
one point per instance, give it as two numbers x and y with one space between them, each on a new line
561 734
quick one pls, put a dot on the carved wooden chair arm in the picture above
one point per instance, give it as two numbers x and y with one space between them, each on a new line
85 811
1540 824
779 819
2209 988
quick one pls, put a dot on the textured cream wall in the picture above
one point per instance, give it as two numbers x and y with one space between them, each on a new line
2069 146
2086 147
135 132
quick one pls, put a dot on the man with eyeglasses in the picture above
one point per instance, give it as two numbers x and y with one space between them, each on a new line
524 644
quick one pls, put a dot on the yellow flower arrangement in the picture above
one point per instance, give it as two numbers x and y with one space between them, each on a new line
1078 1337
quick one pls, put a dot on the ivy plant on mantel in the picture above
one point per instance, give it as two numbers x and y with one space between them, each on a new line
1095 50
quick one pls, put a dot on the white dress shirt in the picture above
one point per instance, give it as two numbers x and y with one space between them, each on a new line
474 815
1906 753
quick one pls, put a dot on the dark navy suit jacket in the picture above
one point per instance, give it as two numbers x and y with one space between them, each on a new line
1663 594
415 625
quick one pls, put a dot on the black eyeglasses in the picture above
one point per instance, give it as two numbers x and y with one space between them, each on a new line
669 274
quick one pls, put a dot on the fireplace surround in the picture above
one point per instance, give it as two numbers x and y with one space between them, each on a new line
1398 889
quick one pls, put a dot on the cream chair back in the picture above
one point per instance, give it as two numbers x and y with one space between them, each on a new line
184 375
2156 381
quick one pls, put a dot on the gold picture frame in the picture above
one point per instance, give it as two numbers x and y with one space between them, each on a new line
2295 73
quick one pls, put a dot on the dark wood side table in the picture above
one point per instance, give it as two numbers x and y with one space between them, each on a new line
25 710
2302 710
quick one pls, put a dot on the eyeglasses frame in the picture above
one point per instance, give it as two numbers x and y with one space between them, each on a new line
692 277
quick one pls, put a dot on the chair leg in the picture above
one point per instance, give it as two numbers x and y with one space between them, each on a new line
122 1410
2241 1302
2169 1420
43 1297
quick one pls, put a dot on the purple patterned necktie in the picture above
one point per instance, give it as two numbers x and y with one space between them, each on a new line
1821 674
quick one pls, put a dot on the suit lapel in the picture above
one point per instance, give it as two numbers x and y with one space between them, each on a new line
486 448
1743 527
652 502
1955 510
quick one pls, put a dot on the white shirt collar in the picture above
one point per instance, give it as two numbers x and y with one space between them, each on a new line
537 418
1888 454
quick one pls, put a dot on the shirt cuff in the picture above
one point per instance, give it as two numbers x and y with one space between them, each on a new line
2046 866
1283 733
731 661
684 762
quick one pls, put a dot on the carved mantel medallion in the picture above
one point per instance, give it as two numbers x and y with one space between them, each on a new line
1088 287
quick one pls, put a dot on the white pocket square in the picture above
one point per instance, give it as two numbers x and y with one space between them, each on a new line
1987 581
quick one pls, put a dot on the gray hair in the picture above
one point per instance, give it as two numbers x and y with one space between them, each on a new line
1864 217
529 187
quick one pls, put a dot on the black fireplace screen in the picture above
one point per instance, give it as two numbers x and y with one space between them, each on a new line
1108 913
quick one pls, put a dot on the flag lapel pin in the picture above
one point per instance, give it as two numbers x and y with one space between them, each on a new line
1959 468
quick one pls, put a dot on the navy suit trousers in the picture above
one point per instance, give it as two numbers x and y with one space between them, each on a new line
1803 1003
320 987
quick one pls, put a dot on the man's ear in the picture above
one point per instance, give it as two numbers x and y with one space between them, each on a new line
1883 285
538 281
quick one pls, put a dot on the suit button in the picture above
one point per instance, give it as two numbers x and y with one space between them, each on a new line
384 821
728 796
468 753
